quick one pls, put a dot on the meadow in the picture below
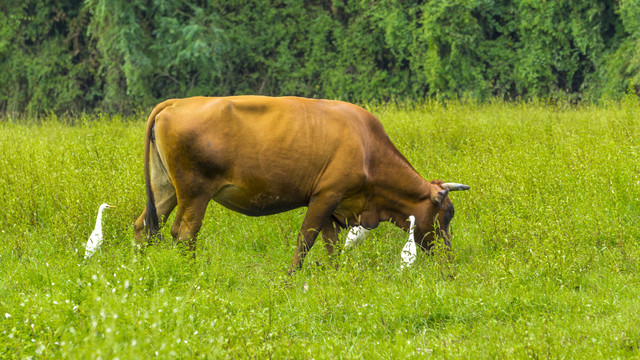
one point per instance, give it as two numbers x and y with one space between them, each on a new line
545 249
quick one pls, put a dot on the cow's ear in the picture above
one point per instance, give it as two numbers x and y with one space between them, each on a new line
438 196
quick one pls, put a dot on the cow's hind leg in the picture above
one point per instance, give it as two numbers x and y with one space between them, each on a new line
318 214
188 222
165 201
164 195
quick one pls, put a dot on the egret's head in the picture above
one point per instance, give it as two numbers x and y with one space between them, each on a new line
106 206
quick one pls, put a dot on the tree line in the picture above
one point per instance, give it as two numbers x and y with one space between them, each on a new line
121 55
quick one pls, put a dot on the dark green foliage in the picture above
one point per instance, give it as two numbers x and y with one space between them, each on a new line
621 59
166 49
117 55
44 59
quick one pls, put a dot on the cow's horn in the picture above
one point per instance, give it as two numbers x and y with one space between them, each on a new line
455 186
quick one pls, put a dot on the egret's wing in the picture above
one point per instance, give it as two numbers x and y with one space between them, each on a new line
94 242
409 250
409 253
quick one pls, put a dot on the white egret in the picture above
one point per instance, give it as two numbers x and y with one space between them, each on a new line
355 236
409 249
95 240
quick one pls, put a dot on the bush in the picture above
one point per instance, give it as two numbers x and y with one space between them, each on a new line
118 56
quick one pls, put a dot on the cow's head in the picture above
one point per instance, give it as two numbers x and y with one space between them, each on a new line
436 214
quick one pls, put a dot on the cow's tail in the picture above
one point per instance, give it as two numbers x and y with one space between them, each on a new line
152 224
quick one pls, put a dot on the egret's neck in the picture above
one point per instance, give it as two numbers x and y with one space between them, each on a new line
412 221
99 219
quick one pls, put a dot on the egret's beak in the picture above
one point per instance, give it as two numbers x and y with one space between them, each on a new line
111 207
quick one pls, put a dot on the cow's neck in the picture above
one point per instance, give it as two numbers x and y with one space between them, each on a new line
399 192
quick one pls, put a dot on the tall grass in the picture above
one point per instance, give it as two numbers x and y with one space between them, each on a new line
546 251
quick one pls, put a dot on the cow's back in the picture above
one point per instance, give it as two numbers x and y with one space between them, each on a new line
260 155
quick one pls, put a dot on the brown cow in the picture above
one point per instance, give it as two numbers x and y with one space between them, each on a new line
261 155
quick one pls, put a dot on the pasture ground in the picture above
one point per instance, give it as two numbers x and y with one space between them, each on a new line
546 249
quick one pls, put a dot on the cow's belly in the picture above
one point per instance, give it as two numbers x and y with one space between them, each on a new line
254 203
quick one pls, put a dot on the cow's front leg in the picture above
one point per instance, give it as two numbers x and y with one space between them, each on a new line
318 214
330 239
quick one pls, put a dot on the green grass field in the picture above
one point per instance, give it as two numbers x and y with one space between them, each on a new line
546 249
